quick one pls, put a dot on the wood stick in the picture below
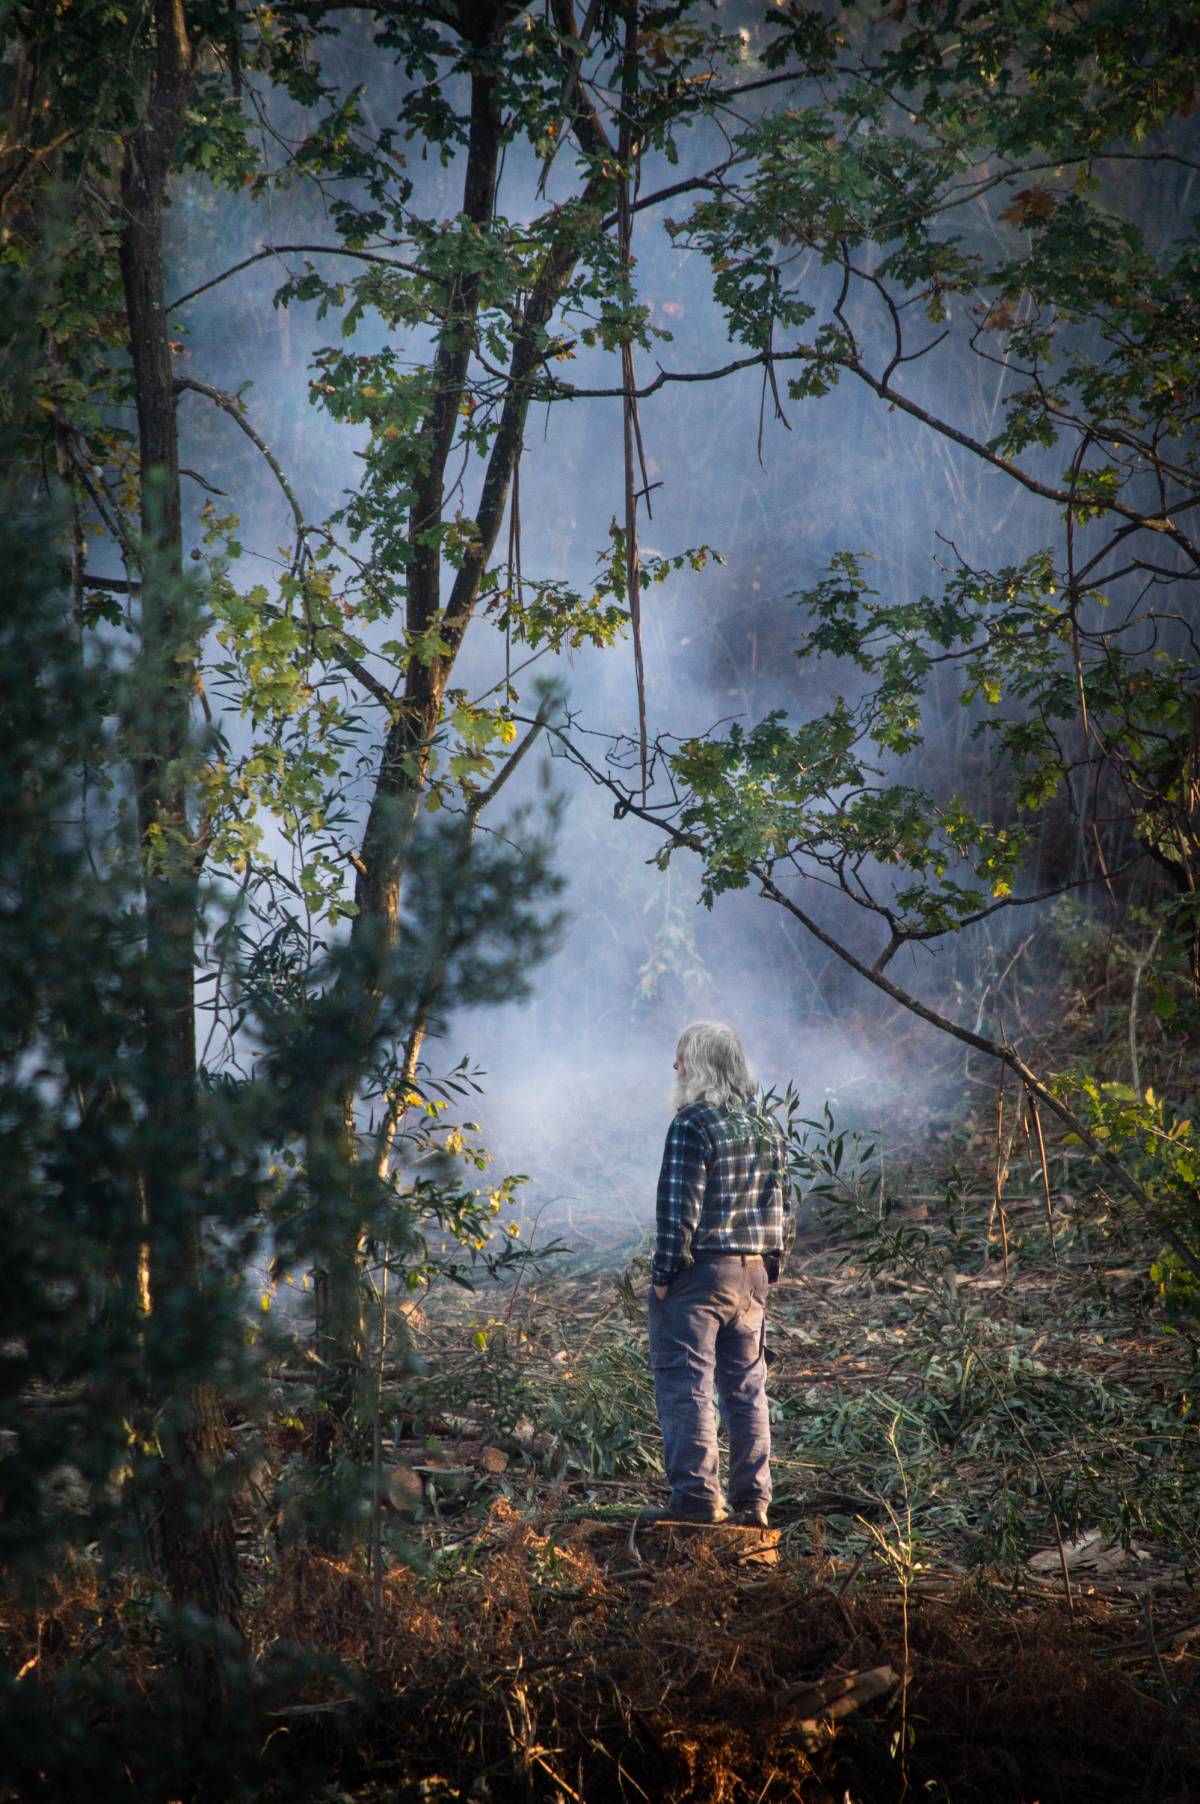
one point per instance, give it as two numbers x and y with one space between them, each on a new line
1031 1101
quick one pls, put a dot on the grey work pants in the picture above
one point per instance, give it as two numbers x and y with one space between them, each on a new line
711 1325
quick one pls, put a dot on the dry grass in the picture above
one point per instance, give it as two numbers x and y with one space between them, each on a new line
549 1668
529 1655
536 1659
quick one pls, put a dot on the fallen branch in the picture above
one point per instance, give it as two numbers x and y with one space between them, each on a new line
829 1700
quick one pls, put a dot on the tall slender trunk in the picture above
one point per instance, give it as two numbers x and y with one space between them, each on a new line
195 1531
402 775
404 765
16 160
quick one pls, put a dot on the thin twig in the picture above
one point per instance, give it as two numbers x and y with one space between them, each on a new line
1031 1104
231 404
999 1173
632 426
1139 965
1148 1619
280 250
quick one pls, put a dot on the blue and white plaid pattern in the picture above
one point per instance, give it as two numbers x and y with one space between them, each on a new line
724 1187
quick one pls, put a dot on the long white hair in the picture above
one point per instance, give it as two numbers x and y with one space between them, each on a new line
714 1068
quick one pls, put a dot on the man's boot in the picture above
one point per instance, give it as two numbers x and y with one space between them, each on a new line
752 1515
697 1513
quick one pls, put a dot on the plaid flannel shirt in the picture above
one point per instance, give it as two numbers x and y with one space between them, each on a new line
724 1187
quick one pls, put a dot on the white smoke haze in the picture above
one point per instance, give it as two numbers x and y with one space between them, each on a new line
579 1076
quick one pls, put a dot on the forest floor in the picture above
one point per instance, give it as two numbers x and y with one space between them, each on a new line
984 1588
987 1488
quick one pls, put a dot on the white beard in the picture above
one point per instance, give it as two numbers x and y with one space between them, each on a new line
680 1095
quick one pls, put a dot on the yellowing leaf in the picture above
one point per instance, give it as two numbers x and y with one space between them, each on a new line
1030 203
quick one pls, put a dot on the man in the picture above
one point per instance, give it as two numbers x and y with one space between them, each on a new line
724 1223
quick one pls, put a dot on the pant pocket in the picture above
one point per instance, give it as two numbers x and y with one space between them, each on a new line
742 1345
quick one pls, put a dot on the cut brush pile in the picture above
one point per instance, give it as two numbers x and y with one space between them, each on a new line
543 1664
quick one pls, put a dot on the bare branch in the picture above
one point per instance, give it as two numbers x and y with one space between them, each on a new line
1162 524
231 405
283 250
875 975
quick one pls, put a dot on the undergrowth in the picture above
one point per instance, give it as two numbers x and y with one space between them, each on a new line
987 1479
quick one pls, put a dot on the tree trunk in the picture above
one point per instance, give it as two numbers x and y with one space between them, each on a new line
16 159
404 764
341 1324
401 779
195 1533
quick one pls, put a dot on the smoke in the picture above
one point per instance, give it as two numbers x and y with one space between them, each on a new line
578 1077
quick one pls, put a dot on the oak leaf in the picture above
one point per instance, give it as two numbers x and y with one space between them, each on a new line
1030 203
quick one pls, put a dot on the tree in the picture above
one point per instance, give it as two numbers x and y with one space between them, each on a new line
489 292
92 336
147 105
119 1316
106 1348
975 183
252 764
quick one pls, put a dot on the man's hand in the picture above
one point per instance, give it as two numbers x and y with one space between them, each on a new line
660 1290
